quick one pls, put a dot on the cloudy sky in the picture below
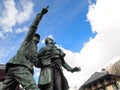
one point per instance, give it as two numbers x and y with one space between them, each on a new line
86 30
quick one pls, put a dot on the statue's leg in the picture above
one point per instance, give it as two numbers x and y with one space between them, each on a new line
9 82
57 80
25 78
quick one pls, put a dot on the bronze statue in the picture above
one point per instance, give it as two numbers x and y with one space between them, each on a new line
51 60
19 69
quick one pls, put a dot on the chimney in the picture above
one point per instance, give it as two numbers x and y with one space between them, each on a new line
104 70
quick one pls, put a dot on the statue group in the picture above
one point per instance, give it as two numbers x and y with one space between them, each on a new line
50 59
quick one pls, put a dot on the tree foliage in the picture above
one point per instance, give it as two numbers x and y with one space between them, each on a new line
115 69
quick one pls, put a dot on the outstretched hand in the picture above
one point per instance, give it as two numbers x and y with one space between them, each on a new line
76 69
44 10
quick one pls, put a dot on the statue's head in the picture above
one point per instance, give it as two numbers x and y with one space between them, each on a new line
36 38
49 41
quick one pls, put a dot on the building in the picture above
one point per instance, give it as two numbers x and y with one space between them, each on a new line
2 75
102 81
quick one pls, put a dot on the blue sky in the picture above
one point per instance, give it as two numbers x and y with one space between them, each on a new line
86 30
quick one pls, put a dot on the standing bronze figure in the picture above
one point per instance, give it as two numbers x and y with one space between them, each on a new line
19 69
51 60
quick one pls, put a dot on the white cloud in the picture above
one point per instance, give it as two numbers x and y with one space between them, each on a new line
11 15
50 36
104 19
27 10
8 16
104 15
20 30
